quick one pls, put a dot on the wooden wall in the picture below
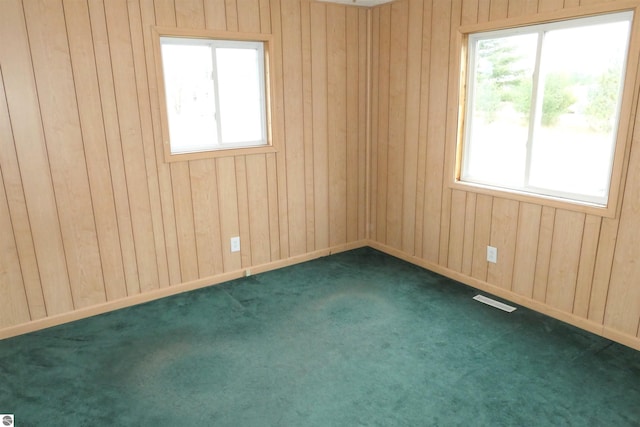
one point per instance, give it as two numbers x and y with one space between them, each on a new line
90 214
89 211
581 268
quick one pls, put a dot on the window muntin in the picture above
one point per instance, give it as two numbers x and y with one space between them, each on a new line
542 107
215 94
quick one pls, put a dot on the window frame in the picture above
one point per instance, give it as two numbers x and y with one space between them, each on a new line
626 112
267 42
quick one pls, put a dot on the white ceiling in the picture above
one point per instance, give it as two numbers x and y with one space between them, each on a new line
364 3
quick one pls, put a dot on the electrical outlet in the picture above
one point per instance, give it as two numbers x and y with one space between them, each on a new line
492 254
235 244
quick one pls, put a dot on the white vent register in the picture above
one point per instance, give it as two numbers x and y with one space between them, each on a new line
494 303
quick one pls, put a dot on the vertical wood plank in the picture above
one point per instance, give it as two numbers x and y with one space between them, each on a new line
148 142
456 231
320 124
148 17
184 14
215 15
516 8
531 6
622 310
204 185
15 310
265 16
352 123
469 232
545 237
481 236
257 191
278 129
484 7
396 138
565 256
85 76
363 128
294 134
374 144
522 7
602 270
133 151
504 227
17 205
307 98
423 128
274 217
249 16
61 124
526 249
114 148
498 9
469 12
337 117
228 208
231 9
190 13
587 264
451 129
549 5
243 211
438 92
31 153
412 124
384 63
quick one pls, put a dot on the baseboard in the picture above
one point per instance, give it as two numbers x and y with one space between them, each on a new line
582 323
204 282
47 322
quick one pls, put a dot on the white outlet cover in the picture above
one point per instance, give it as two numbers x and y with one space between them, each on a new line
492 254
235 244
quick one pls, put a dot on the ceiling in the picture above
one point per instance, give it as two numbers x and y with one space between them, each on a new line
364 3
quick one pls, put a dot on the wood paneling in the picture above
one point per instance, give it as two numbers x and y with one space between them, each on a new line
24 117
89 209
320 109
581 266
412 125
19 221
526 248
94 215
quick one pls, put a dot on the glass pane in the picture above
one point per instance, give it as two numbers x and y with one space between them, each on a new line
190 96
241 100
582 72
498 129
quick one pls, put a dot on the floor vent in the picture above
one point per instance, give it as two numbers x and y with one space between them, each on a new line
494 303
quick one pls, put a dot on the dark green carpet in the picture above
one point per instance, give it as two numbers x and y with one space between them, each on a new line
358 338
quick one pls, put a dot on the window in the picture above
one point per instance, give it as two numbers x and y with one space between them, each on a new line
214 94
543 105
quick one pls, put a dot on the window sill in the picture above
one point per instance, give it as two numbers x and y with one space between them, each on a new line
213 154
609 211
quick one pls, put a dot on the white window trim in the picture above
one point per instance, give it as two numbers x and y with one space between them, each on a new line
238 44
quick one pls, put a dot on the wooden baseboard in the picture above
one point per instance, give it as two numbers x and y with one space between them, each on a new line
59 319
582 323
596 328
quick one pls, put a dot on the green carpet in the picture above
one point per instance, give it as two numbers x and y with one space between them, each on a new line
358 338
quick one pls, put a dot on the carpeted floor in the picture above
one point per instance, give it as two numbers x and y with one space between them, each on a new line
357 338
